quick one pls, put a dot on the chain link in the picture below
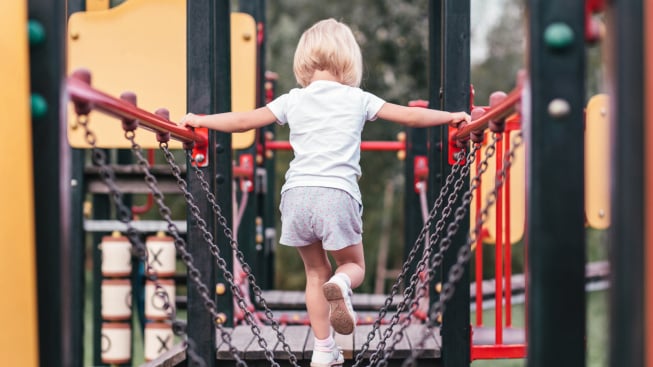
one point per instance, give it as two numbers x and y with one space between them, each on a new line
423 288
215 251
138 248
257 291
464 253
406 266
193 273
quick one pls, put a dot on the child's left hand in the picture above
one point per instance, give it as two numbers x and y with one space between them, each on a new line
190 120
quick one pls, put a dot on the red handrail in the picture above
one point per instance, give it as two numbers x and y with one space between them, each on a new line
80 90
503 109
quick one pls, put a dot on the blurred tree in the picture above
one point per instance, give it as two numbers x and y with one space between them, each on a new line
505 54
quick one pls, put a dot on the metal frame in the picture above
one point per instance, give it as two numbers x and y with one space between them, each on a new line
627 235
555 159
209 91
59 283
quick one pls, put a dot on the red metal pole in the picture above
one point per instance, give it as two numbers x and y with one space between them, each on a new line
507 242
498 267
479 249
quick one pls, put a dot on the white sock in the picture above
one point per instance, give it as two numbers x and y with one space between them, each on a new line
344 277
325 345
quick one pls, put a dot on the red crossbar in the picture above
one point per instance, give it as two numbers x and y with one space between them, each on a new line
503 109
80 90
498 351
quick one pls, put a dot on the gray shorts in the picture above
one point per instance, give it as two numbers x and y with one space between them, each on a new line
311 214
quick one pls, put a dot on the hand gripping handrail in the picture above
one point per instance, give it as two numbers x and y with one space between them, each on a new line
501 110
78 87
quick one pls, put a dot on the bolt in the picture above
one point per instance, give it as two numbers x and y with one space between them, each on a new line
247 36
601 213
558 35
36 32
603 111
559 108
199 158
74 36
220 288
73 182
221 318
39 105
219 148
219 179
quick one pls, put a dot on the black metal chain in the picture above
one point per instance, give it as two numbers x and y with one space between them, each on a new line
138 248
465 252
385 352
215 251
193 273
258 292
406 266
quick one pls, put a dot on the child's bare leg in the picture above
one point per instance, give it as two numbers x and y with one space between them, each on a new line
351 261
318 270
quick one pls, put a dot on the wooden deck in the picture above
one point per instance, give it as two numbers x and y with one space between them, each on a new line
300 340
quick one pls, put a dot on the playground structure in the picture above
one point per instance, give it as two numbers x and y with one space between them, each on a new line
552 106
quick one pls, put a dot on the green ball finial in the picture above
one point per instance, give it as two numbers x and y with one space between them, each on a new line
39 106
558 35
35 31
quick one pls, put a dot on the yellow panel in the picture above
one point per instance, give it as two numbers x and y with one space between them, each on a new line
517 195
127 48
92 5
138 46
19 339
597 162
243 72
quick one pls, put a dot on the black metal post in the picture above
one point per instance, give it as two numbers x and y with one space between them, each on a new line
205 58
555 159
221 98
253 216
627 111
435 134
101 210
57 340
455 97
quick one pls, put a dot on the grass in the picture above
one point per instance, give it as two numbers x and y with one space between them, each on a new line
597 332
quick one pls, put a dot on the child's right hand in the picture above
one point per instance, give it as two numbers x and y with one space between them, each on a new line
458 117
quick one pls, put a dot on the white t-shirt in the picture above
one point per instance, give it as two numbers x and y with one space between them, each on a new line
326 119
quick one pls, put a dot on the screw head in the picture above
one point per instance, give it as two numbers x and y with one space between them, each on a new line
559 108
199 158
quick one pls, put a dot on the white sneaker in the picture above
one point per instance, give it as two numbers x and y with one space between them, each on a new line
331 358
342 316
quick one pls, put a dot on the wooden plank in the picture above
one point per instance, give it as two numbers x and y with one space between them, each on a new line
432 344
296 338
361 333
403 348
254 351
241 337
346 343
310 345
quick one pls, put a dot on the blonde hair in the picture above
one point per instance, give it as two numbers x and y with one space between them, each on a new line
328 45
